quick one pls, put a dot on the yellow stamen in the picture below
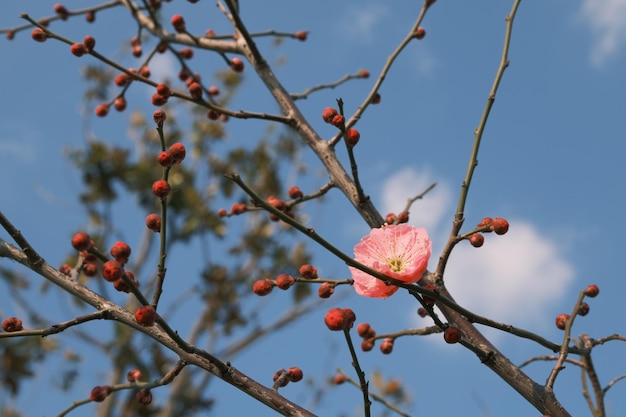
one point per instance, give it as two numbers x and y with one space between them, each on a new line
396 264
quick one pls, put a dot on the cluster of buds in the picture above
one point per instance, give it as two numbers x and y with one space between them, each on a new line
498 225
264 286
79 49
368 334
82 243
330 116
284 281
402 217
591 291
279 205
294 193
282 377
112 270
172 156
160 96
101 392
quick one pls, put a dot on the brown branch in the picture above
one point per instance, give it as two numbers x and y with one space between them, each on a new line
550 358
363 384
166 379
188 354
305 94
558 366
590 370
321 148
58 328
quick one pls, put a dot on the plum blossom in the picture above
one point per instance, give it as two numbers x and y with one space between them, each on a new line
399 251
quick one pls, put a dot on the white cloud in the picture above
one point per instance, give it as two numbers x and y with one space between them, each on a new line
360 21
514 278
607 19
425 60
407 183
163 67
18 149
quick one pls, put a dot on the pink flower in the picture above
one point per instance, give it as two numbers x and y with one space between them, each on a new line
399 251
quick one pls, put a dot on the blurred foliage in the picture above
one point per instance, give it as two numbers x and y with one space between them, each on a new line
251 246
256 247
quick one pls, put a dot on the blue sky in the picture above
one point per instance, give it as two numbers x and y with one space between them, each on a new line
551 162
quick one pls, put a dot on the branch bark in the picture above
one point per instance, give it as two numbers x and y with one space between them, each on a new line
224 371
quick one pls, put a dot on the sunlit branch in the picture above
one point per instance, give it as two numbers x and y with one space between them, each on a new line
478 134
613 382
424 331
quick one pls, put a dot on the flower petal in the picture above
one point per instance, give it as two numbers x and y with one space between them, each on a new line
399 251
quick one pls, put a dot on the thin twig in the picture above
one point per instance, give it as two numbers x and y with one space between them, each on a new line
305 94
478 134
374 396
367 403
166 379
58 328
384 71
414 289
550 358
558 366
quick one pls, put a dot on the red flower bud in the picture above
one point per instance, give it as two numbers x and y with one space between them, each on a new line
561 320
12 324
500 226
592 290
284 281
81 241
145 315
452 335
179 23
335 319
99 393
325 290
153 222
328 113
386 346
161 189
352 137
262 287
476 240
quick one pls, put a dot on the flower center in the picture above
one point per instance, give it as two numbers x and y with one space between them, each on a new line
396 264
